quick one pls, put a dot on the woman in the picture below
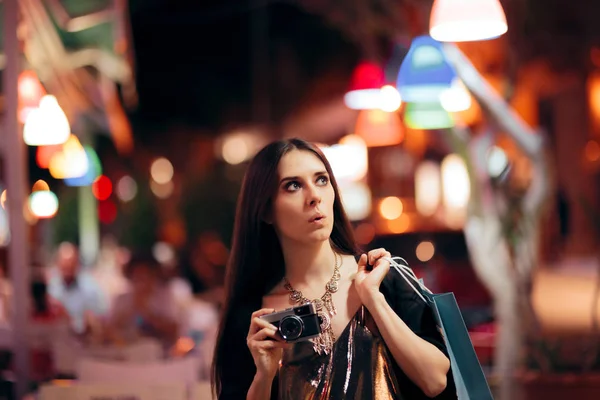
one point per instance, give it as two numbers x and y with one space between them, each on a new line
293 242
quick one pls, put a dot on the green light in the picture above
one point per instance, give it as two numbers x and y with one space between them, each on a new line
427 116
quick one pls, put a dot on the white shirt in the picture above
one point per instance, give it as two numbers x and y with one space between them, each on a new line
83 296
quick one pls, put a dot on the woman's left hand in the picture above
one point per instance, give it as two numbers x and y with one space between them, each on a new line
367 282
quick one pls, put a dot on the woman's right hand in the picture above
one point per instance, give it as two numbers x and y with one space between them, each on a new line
265 344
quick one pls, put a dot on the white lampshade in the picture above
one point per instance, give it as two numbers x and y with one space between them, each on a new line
467 20
46 125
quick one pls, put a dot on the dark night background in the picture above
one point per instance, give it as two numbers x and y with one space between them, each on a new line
195 64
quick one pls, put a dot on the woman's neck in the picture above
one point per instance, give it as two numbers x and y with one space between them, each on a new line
308 265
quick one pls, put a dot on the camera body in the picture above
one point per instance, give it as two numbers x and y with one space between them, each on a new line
296 324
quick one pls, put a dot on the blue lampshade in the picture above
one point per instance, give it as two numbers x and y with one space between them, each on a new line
93 172
425 72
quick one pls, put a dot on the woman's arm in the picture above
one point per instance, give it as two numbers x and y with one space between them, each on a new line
423 363
260 388
420 360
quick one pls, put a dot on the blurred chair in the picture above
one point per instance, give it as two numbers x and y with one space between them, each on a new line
113 391
142 350
184 371
66 353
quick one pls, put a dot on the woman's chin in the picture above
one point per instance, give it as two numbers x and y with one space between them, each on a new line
322 235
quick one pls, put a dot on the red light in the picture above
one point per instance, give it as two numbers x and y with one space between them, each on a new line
45 153
107 212
367 75
102 188
30 93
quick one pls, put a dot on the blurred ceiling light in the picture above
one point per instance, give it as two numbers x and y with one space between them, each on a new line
161 170
126 188
235 150
348 159
40 185
102 187
497 162
425 72
45 153
70 162
47 124
93 172
427 188
425 251
391 208
400 224
456 189
163 253
467 20
456 98
43 204
593 93
365 87
107 211
30 91
356 198
389 99
162 191
379 128
428 116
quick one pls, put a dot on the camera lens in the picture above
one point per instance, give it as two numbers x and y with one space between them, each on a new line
291 327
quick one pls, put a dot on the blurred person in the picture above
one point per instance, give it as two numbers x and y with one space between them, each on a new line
44 308
108 272
180 288
148 309
293 242
77 291
45 312
206 261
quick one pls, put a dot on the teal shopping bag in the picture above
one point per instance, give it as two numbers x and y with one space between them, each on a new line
468 375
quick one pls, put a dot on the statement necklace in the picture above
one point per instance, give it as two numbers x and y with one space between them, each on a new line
323 343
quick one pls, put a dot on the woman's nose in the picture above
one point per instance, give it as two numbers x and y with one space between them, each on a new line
314 198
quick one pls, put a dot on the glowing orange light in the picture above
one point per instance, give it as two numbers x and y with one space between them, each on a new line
379 128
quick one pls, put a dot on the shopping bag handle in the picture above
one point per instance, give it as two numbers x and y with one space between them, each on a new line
407 274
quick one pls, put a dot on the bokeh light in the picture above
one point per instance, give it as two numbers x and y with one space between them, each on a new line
161 171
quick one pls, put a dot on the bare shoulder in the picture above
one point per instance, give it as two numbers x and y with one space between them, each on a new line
349 267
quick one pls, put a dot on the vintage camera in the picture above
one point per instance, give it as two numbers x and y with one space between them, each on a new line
297 323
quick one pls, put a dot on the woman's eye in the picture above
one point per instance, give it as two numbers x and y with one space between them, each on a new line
292 186
323 180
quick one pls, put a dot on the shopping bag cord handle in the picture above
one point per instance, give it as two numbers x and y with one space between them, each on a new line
407 274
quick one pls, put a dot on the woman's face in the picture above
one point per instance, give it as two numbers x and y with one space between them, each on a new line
303 204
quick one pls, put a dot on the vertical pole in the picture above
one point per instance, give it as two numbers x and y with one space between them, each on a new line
89 230
87 209
17 176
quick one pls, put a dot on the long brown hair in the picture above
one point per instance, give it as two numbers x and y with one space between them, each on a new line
256 262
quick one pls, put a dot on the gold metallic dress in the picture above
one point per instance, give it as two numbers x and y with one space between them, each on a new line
360 367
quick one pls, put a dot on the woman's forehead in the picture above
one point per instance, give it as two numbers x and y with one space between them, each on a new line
300 163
